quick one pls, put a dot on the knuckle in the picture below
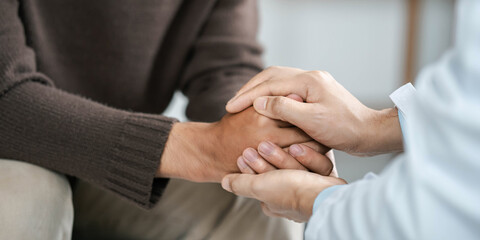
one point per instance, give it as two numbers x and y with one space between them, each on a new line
260 166
263 121
273 68
276 105
311 78
269 136
316 73
305 160
326 75
319 76
278 159
234 187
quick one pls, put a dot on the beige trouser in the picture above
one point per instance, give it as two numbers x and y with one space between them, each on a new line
37 201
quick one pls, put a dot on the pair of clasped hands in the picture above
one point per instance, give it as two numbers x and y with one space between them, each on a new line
282 145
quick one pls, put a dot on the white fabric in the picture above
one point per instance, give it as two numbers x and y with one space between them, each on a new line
431 191
403 98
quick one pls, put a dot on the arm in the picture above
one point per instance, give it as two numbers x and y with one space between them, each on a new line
224 56
205 152
41 124
115 149
430 192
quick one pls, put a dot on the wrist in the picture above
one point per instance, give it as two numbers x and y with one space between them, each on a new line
307 201
310 194
186 153
382 134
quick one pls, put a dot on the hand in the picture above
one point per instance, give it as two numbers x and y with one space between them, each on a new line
205 152
283 193
330 114
307 156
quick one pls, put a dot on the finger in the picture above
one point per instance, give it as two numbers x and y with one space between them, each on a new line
264 75
240 184
285 109
314 161
255 80
255 162
277 157
285 137
331 156
318 147
295 97
283 124
278 87
244 168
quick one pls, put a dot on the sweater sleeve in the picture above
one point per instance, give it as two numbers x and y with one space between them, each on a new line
115 149
224 57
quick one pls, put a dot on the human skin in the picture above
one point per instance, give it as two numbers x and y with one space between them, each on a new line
288 194
205 152
329 113
282 193
309 156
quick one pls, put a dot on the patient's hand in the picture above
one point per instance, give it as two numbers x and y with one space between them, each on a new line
307 156
283 193
205 152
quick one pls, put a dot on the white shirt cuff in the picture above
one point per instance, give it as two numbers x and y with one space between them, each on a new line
403 98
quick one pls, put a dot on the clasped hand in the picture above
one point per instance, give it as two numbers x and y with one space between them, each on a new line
329 114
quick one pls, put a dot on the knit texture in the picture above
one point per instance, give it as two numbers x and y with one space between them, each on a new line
83 83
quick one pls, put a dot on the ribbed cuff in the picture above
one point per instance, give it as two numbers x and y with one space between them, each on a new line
136 158
115 149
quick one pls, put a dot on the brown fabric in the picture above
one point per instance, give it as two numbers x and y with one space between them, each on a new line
82 82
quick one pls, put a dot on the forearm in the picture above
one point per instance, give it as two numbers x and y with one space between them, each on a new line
115 149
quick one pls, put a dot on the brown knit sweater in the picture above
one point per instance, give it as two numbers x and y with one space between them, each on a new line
75 75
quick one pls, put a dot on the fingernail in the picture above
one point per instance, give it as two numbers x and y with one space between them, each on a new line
226 184
295 150
241 163
260 103
266 148
250 155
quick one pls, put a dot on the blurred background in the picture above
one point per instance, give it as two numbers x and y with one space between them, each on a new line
370 46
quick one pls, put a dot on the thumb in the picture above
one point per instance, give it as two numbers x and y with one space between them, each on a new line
239 184
283 108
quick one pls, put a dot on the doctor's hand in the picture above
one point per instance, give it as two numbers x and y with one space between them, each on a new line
283 193
329 113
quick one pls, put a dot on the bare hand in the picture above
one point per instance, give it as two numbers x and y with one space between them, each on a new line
283 193
205 152
330 114
309 156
